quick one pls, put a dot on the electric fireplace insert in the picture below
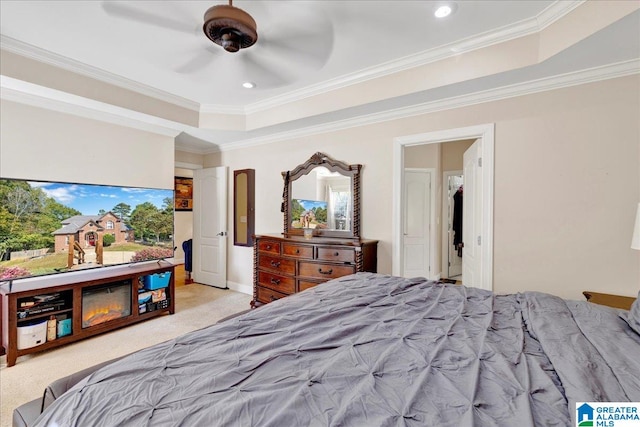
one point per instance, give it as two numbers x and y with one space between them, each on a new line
105 303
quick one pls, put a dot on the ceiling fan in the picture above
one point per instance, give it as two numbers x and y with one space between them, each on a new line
230 27
290 37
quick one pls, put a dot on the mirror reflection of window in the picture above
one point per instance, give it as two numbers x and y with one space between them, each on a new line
340 203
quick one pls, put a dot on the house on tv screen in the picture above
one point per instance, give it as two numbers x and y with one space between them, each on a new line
88 229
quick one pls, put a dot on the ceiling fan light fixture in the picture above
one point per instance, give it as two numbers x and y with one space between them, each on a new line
230 27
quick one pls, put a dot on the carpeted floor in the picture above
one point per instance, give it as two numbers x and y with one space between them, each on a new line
197 306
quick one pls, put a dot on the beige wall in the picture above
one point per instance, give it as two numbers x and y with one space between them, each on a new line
193 159
46 145
567 180
452 153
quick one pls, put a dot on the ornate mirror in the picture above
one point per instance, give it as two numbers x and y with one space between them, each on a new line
322 198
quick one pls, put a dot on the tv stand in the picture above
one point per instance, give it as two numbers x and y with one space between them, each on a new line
73 300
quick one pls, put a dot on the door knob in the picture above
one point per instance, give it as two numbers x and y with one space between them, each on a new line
222 233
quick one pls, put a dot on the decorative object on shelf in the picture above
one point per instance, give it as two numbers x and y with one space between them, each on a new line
183 193
308 233
635 241
52 328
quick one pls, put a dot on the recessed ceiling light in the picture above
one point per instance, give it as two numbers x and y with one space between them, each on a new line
248 85
444 10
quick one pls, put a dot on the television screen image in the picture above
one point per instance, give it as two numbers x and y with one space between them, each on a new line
308 213
57 227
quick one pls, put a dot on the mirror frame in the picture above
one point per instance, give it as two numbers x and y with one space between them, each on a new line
244 207
321 159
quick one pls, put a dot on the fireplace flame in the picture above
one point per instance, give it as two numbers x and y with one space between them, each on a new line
104 307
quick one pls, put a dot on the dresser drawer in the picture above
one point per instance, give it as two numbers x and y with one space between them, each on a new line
270 246
297 251
280 265
306 284
324 271
286 285
336 254
265 295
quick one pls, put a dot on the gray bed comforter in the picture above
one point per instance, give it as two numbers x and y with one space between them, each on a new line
373 350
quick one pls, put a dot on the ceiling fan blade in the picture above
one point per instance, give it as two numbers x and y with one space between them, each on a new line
299 36
258 71
313 49
126 11
200 60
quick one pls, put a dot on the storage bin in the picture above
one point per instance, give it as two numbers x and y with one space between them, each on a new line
32 335
156 281
144 297
64 327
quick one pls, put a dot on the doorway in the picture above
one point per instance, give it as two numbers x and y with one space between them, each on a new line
451 259
483 221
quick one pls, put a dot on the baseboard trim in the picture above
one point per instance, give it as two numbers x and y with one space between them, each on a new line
239 287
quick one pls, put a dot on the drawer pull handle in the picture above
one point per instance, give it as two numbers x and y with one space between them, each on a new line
275 281
272 297
268 247
336 253
297 251
275 264
325 272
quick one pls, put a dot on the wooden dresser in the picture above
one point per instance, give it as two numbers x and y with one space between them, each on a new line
286 265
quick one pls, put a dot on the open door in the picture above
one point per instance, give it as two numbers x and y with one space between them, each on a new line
472 217
210 227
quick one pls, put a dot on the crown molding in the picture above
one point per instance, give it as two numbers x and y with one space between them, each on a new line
186 165
41 55
511 91
555 11
189 149
43 97
222 109
513 31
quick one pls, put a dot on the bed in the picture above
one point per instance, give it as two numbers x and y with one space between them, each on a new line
374 350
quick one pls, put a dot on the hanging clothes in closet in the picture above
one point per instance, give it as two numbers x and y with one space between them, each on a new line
457 221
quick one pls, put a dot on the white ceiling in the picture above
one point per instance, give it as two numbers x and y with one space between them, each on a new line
302 45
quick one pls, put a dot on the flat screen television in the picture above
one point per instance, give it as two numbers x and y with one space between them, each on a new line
59 227
308 213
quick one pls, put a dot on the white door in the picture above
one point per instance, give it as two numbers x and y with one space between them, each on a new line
417 219
472 217
210 226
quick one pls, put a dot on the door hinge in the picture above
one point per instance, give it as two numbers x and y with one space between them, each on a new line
480 162
479 240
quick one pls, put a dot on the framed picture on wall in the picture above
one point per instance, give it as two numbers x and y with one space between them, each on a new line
183 193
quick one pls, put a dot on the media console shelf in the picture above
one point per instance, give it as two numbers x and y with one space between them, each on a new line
83 304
